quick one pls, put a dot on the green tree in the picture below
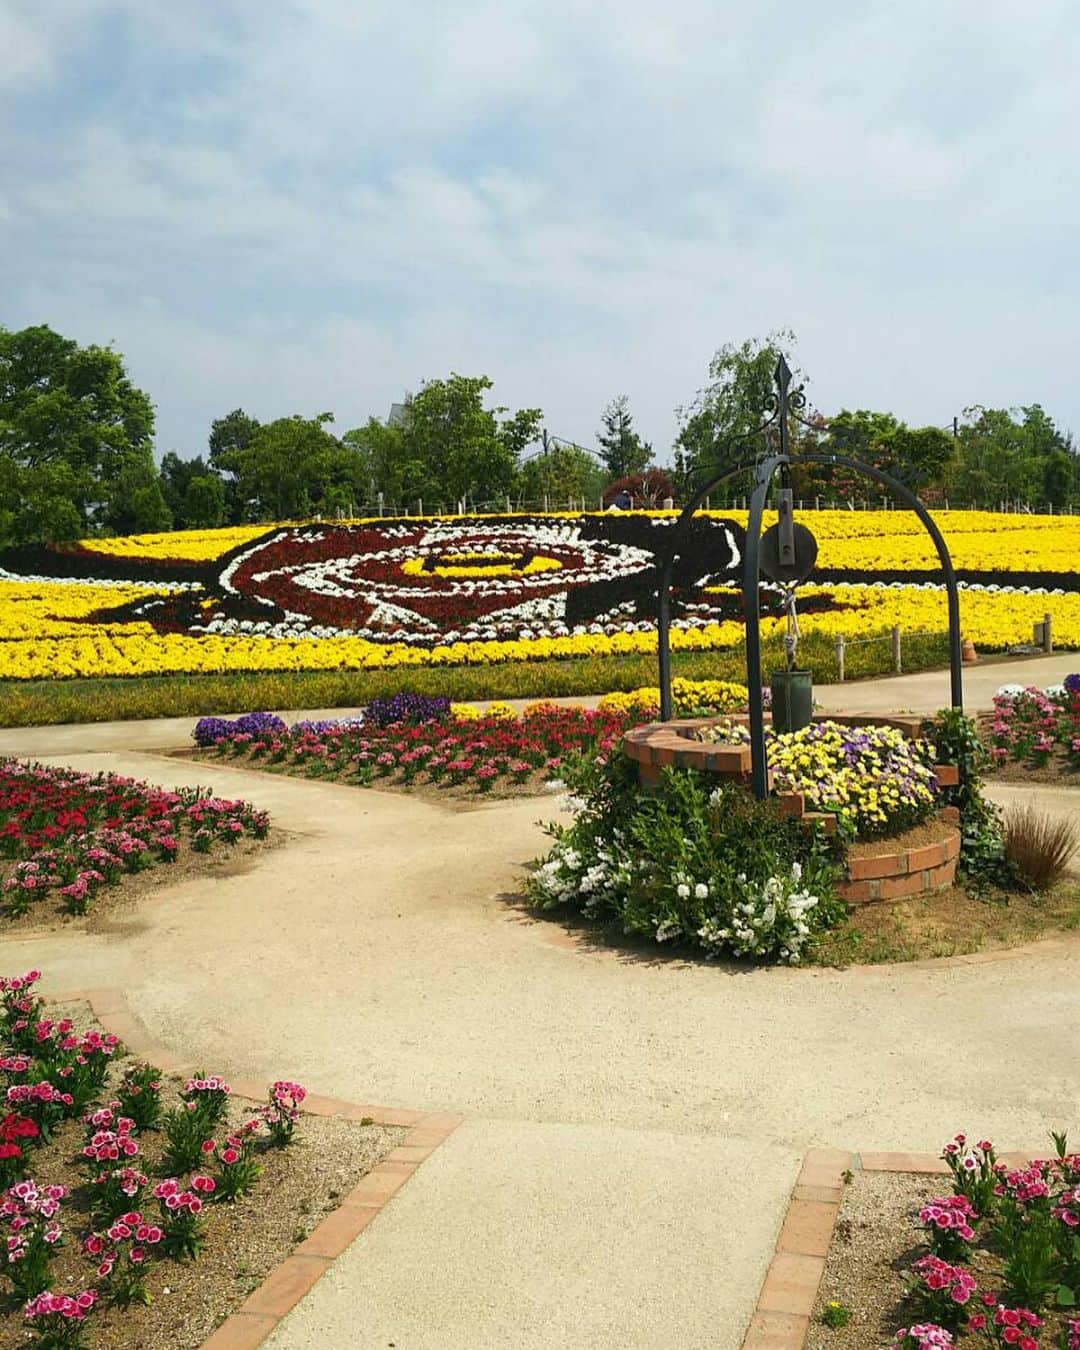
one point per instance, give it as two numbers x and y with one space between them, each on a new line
1002 454
386 464
177 475
43 506
622 449
918 456
562 473
287 467
719 425
462 449
204 502
70 406
229 435
135 503
1059 477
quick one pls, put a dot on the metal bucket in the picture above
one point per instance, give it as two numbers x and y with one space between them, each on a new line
792 699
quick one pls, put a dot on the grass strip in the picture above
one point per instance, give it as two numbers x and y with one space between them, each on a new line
50 702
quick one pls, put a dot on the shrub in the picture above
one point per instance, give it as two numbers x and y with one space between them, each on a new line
982 834
718 869
1040 846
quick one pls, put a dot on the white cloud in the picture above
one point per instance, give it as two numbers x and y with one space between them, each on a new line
317 204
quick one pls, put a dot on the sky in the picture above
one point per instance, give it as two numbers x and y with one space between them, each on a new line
297 206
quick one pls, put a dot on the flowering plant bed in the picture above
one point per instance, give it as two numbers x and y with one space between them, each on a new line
68 835
420 742
494 754
986 1253
874 779
467 590
138 1209
1034 734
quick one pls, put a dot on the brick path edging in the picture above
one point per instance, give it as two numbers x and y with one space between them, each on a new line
781 1320
284 1287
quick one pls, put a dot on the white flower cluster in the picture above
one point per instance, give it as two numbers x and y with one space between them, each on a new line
770 920
568 876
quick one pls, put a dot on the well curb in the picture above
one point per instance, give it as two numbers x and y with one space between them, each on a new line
283 1288
785 1305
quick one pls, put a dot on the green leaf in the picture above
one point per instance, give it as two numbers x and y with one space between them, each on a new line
1065 1297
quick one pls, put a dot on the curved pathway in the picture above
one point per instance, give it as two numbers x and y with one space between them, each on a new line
634 1124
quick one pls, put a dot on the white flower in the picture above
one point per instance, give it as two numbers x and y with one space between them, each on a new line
701 891
683 891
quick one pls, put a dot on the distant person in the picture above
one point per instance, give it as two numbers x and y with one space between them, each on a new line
623 502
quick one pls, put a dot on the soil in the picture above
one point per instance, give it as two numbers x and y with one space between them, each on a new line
461 796
877 1237
1059 772
949 923
112 906
299 1185
932 831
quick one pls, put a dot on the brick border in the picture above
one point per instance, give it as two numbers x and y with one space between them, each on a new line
283 1288
785 1306
904 872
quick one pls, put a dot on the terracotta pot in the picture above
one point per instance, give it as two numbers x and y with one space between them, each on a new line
968 651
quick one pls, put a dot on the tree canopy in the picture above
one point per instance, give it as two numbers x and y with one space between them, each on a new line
76 435
77 450
621 448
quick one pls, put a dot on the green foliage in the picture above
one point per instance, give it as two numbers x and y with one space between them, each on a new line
689 861
916 455
74 433
204 502
294 467
447 447
622 449
1013 454
718 425
136 503
835 1314
194 492
562 473
982 848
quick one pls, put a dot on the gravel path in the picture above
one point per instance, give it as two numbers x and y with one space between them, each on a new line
634 1124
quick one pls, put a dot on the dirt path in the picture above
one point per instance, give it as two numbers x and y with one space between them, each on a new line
634 1124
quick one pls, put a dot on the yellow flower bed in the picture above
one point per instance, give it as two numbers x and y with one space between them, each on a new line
722 696
44 631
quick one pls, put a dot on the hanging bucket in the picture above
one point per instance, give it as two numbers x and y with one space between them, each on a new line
792 699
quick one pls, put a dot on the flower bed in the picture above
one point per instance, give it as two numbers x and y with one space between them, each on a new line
415 741
494 752
992 1260
874 779
70 834
138 1209
1037 729
688 862
479 589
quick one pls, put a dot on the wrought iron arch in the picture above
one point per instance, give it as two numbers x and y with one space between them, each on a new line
765 472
